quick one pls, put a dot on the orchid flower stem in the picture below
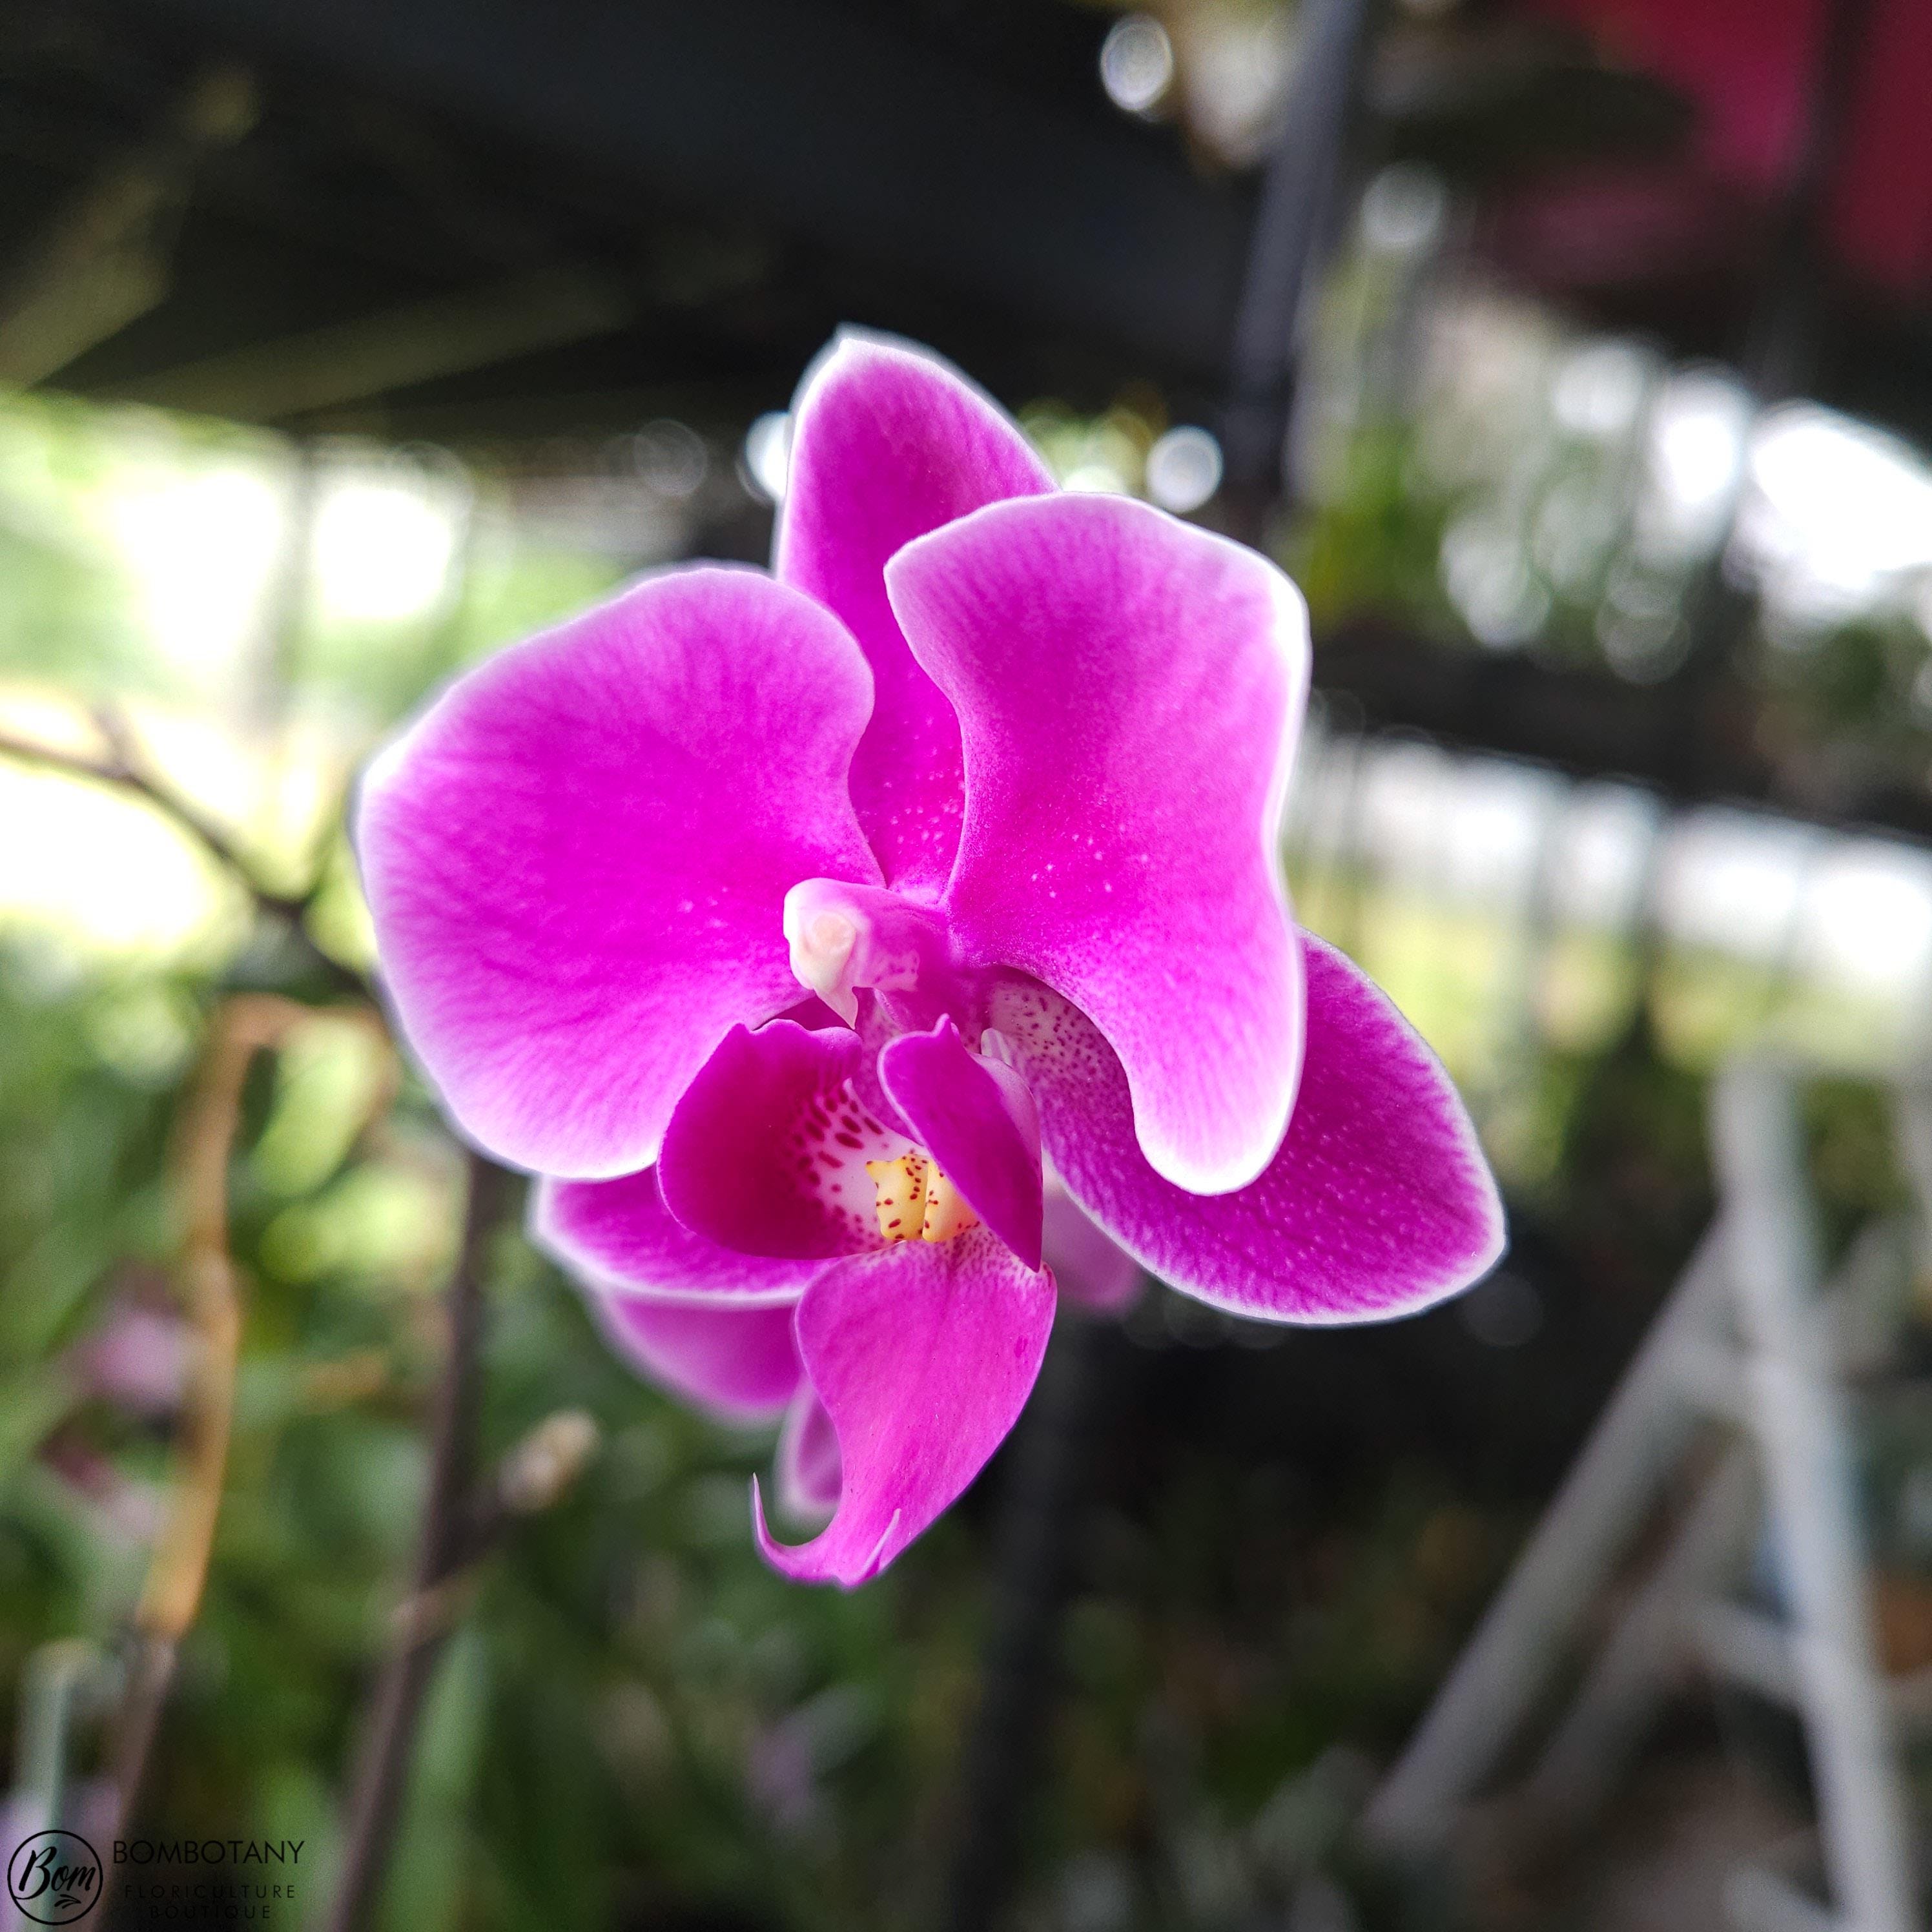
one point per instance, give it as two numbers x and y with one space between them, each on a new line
1035 1562
124 766
203 1144
445 1552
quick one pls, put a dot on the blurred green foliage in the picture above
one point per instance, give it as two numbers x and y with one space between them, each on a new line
637 1723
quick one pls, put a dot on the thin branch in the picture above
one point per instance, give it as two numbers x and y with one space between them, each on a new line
203 1145
125 768
443 1552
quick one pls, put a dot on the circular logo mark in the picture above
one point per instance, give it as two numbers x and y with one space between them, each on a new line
54 1877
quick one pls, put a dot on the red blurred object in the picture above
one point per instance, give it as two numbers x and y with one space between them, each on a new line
1751 68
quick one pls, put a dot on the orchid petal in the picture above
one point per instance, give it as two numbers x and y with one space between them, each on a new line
618 1236
576 858
1379 1203
807 1468
923 1355
888 442
977 1120
737 1364
1129 688
767 1152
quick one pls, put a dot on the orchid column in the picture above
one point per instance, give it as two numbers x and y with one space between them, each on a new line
802 931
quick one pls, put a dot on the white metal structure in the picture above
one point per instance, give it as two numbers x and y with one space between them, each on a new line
1755 1340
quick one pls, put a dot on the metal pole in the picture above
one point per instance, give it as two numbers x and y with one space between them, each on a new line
1499 1678
1801 1429
1292 227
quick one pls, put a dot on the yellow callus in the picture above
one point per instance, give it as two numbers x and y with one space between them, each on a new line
916 1202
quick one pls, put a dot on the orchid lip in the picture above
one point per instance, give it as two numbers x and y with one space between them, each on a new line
917 1201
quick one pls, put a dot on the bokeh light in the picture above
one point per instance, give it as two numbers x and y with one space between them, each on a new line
765 460
1184 469
1137 63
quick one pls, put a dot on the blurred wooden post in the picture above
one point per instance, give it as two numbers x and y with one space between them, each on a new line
444 1553
1036 1552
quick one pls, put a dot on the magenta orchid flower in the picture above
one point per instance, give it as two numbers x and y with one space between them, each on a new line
821 937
